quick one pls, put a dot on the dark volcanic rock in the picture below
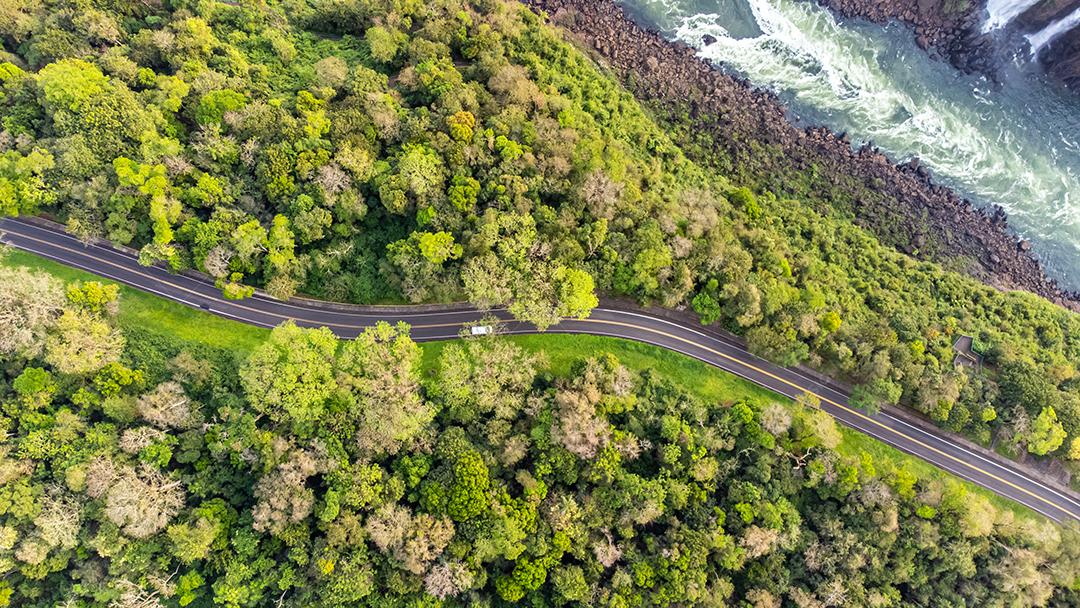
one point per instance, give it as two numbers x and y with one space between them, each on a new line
1042 14
752 141
1061 58
952 29
708 39
946 26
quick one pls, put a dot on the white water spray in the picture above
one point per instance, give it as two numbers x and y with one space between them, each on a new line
1015 146
1044 36
1003 11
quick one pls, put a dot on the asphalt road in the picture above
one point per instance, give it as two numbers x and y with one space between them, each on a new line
715 348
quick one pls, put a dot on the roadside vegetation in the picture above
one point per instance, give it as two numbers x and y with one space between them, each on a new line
148 467
146 314
143 312
376 150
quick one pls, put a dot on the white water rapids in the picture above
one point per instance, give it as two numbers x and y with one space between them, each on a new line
1044 36
1004 11
1017 146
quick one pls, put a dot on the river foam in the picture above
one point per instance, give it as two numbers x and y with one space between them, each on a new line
1015 146
1001 12
1046 35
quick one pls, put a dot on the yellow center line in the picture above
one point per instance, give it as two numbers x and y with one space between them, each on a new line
827 400
616 323
202 295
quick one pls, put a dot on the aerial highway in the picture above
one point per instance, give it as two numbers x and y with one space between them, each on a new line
718 349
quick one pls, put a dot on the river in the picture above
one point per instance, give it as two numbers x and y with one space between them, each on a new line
1017 145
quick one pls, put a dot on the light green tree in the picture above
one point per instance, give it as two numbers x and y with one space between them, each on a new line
83 342
383 43
151 181
23 188
378 377
280 244
575 292
290 376
249 240
95 297
1047 434
545 292
71 83
438 247
420 176
213 106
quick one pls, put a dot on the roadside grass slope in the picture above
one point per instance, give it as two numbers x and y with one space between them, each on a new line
179 325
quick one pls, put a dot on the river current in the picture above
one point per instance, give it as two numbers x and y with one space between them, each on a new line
1017 144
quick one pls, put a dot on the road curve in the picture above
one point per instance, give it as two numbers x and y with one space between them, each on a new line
717 349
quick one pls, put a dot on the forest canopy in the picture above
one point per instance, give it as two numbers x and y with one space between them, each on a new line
144 471
386 150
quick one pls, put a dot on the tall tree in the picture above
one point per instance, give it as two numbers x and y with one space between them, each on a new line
290 376
378 378
82 343
29 304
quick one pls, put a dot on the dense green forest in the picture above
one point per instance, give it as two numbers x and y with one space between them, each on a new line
389 150
143 470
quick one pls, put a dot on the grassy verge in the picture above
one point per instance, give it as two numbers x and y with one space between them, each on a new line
157 315
713 384
561 351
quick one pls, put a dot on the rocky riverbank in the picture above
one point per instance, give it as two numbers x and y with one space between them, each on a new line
1062 59
746 133
946 28
952 29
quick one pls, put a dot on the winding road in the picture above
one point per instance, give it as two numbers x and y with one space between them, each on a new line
434 323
